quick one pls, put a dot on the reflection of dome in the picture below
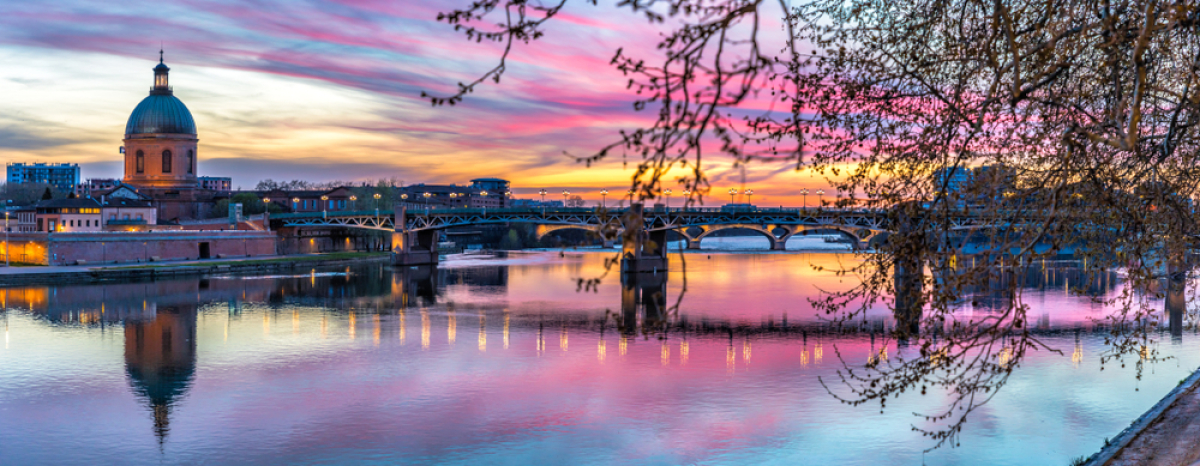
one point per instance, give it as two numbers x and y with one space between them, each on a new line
160 359
161 113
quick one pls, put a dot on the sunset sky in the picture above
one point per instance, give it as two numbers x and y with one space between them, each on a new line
330 90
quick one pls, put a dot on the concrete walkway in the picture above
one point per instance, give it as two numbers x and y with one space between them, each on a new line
1167 435
90 268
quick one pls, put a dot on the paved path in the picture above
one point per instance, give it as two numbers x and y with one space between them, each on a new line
87 268
1172 439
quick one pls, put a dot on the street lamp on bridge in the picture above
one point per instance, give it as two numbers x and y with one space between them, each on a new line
750 196
353 202
603 198
377 196
324 205
687 194
295 204
543 193
668 193
565 194
732 192
804 197
820 198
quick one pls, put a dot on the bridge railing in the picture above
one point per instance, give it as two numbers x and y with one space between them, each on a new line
573 210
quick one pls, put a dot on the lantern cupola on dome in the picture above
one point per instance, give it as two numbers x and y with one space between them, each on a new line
161 112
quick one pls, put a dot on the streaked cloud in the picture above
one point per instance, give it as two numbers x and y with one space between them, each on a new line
328 89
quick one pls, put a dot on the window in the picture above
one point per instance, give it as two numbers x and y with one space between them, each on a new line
191 162
166 165
141 162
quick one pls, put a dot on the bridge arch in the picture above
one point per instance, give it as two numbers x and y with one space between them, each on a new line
545 229
765 231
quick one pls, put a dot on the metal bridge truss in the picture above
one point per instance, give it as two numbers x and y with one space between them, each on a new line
777 224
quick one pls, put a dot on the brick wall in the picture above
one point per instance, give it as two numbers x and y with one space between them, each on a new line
134 247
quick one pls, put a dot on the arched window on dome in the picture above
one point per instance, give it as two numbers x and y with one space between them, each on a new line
191 162
141 162
166 165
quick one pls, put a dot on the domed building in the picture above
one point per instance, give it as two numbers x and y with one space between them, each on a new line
161 152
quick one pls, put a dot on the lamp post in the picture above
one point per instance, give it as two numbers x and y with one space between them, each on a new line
295 204
732 192
804 196
324 206
630 192
750 196
687 194
6 238
353 202
452 197
820 198
377 196
426 196
603 198
565 194
543 193
668 193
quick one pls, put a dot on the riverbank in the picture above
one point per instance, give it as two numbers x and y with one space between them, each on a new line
262 264
1163 436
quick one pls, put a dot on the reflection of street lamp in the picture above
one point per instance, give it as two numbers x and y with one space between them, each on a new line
804 196
732 192
324 205
377 196
668 193
603 197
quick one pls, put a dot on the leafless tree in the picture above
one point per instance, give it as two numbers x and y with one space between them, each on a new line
1086 111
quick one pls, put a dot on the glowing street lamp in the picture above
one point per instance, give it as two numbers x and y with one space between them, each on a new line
732 192
820 198
668 193
565 194
804 195
353 202
295 204
377 196
324 206
750 196
630 197
427 196
603 197
687 194
543 193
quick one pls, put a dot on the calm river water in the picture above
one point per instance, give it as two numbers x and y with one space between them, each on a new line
503 361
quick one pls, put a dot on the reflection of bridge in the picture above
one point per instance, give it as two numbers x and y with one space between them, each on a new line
415 239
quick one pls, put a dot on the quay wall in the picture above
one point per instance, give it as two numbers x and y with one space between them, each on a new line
133 247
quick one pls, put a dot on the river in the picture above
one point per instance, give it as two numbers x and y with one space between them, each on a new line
505 360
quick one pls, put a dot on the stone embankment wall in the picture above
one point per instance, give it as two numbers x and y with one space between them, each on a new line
87 248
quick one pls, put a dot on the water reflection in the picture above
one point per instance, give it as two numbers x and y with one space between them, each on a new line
160 358
727 379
